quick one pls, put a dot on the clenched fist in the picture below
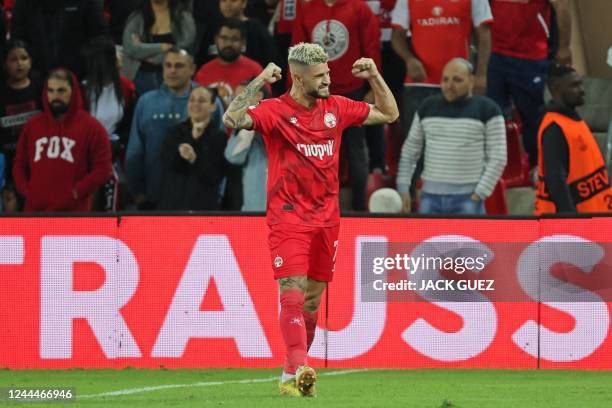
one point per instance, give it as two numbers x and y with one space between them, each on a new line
364 68
271 73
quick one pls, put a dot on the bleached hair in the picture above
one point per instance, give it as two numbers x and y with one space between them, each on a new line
307 54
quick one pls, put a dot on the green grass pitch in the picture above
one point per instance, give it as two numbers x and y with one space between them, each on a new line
431 388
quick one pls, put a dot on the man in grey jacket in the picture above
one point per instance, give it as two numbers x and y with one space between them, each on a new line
464 142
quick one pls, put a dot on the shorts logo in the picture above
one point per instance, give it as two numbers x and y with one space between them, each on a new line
330 120
333 36
278 261
293 120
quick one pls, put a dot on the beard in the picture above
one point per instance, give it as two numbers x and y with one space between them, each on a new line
229 54
317 93
58 108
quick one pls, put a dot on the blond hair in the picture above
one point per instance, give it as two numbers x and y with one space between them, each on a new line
307 54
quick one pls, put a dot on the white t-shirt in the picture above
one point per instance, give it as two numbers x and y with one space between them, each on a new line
108 110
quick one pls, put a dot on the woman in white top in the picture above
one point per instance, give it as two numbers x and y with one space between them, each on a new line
109 98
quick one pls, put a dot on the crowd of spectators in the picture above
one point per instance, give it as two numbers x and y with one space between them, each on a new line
110 105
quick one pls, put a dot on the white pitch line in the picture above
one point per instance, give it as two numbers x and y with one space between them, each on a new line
129 391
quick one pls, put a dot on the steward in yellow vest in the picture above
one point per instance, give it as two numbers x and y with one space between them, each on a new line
572 173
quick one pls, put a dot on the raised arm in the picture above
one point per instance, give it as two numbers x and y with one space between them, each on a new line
384 109
235 117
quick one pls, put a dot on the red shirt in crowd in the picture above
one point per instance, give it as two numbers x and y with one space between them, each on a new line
303 147
227 77
521 28
441 30
382 9
287 15
347 30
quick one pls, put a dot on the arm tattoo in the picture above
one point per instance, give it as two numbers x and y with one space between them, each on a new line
242 101
231 121
234 117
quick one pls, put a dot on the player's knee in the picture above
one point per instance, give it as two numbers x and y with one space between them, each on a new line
292 300
312 302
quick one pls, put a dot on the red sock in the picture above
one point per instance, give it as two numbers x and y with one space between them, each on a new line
310 318
293 328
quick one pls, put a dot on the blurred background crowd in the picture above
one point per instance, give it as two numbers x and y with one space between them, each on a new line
110 105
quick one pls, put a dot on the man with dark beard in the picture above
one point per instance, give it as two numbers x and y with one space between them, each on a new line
227 73
230 69
63 155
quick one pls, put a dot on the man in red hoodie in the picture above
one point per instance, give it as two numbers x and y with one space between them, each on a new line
347 30
63 155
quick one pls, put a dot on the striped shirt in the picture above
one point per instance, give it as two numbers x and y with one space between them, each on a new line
464 144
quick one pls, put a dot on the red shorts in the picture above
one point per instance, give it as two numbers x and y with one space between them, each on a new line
300 250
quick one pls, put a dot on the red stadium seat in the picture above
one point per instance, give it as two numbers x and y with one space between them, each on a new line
496 203
394 147
516 173
377 181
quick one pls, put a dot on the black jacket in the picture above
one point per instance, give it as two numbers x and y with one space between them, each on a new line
194 186
57 30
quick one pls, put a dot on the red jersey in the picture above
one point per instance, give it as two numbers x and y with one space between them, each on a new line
227 77
521 28
287 14
441 30
382 9
347 31
303 147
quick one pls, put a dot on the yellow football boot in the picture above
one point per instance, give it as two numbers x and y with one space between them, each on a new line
288 388
305 379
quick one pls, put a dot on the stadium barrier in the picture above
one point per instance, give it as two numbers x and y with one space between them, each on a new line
197 291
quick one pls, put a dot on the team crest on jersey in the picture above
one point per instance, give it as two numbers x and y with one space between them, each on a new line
330 120
278 261
333 36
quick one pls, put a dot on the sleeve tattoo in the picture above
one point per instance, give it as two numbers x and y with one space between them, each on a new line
237 109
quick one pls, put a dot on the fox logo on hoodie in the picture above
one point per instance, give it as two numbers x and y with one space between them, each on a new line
52 145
